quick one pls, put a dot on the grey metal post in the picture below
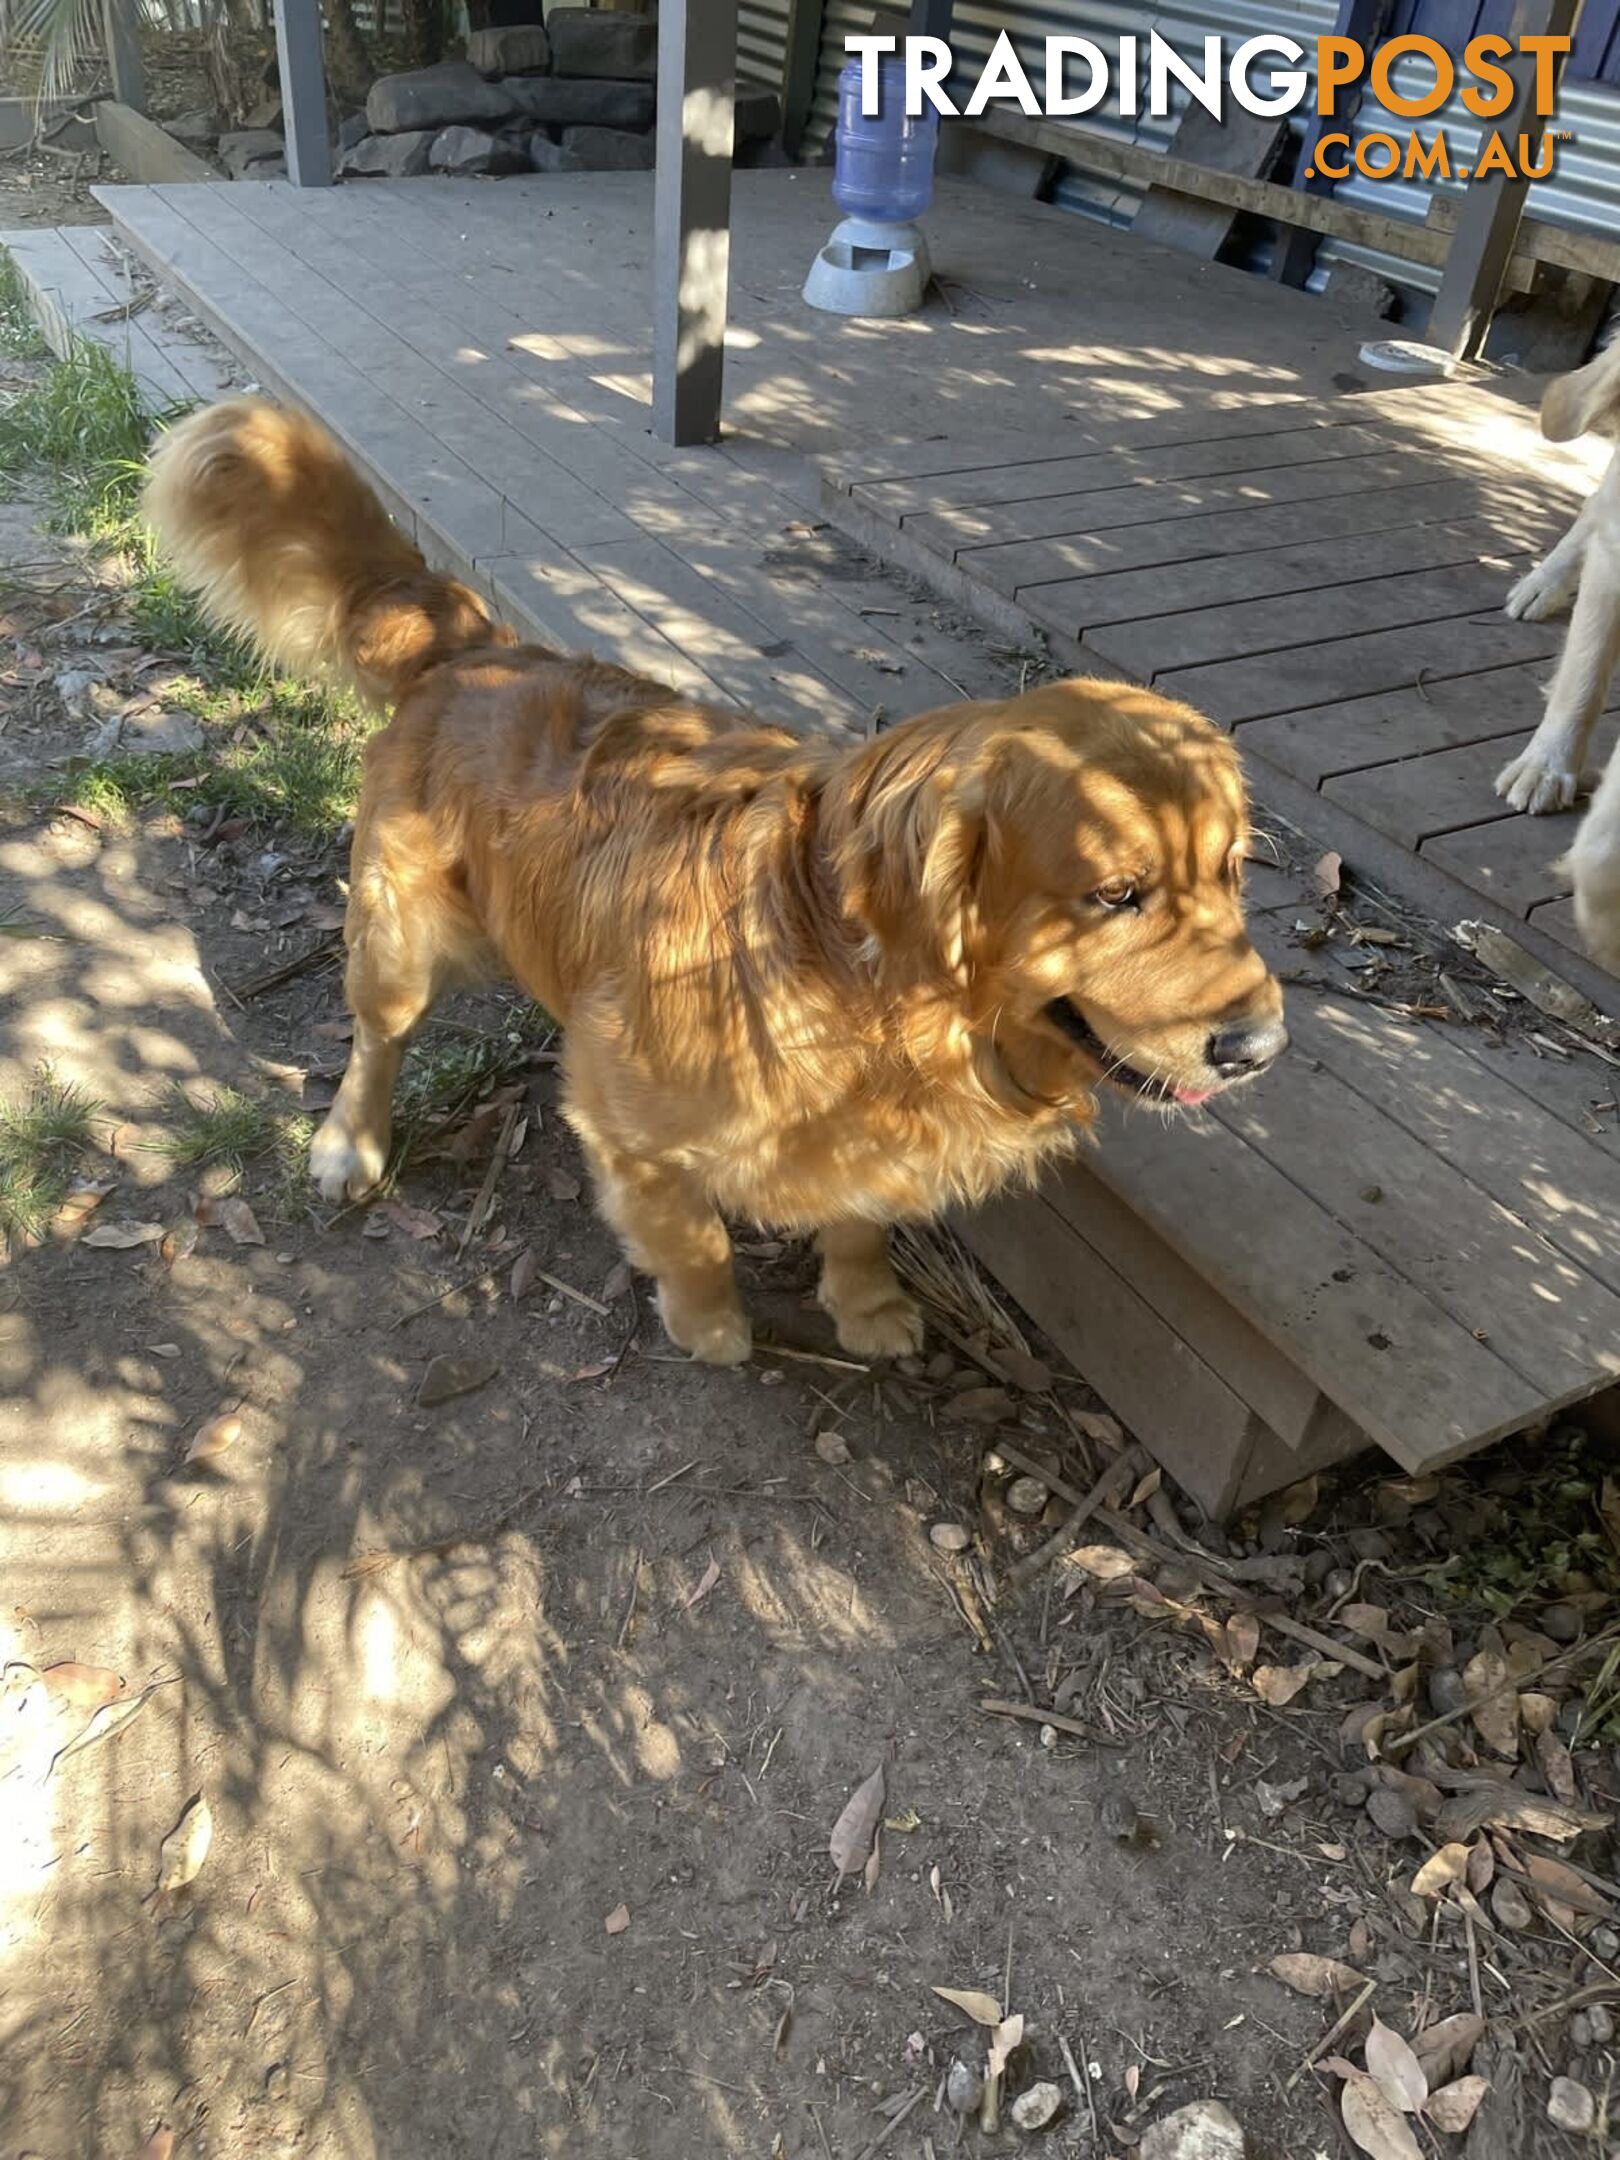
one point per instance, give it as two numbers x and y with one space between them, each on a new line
697 71
1488 224
120 32
801 56
303 92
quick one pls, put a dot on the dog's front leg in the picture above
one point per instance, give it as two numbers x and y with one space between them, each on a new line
1548 588
1594 863
874 1316
1546 775
671 1228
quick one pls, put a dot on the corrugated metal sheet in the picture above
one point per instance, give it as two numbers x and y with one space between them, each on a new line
761 40
1584 191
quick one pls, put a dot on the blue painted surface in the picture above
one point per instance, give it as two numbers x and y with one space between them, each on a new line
1596 57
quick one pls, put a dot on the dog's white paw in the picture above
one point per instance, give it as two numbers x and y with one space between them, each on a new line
1541 592
343 1167
1532 785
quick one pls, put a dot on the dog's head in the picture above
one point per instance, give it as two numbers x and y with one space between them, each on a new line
1067 868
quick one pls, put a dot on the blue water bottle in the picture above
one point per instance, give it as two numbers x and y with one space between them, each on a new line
876 262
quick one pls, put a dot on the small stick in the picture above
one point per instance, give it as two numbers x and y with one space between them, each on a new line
630 1603
1331 2035
1118 1474
1033 1714
273 978
580 1297
893 2124
811 1357
1473 1964
1313 1639
1082 2085
471 1283
486 1192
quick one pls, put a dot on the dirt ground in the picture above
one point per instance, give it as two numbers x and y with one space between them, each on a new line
524 1719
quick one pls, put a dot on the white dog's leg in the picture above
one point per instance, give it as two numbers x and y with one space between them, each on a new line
1551 585
1546 774
1594 862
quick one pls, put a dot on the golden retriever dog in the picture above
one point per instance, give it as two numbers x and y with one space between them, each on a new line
1583 567
823 989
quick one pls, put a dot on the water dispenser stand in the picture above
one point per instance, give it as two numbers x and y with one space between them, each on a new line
872 269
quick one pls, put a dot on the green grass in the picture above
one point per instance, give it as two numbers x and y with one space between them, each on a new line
448 1073
282 753
82 429
42 1138
19 333
225 1127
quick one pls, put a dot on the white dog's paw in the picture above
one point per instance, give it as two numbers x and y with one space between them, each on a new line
718 1336
1541 592
343 1167
1532 785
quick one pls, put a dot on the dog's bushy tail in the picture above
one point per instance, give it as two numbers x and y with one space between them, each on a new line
263 517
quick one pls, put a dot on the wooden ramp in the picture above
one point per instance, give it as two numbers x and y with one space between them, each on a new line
1410 1231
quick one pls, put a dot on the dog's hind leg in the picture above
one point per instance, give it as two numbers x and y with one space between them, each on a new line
672 1228
874 1316
408 942
1546 775
1594 863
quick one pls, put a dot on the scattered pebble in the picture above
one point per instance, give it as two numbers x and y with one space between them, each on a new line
1392 1812
1509 1905
1561 1622
1038 2108
1049 1736
1026 1496
949 1537
1605 1943
1446 1691
964 2087
1570 2107
1204 2131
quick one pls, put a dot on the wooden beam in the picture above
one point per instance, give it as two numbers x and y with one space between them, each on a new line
1564 247
801 56
120 30
1488 223
144 152
1295 256
697 69
303 92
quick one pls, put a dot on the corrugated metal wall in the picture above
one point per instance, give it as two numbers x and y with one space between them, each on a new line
761 40
1585 191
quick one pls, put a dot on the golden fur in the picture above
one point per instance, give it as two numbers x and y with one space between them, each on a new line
823 989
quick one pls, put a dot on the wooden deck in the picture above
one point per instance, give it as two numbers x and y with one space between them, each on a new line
1409 1232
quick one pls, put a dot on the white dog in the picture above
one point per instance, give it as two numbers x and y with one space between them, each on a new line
1585 567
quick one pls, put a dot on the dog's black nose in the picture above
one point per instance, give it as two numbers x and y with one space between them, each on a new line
1249 1047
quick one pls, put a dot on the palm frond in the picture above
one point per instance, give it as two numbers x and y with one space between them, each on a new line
54 46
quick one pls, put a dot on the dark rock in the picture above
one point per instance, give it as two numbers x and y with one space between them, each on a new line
758 115
351 131
558 101
1446 1691
1562 1622
470 150
602 149
266 114
514 49
265 168
589 41
248 146
390 157
1392 1812
450 95
545 155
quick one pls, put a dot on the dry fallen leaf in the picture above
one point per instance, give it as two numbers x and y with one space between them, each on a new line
1378 2128
1307 1974
83 1687
110 1718
710 1576
1446 2049
122 1236
185 1848
1557 1766
1242 1640
416 1222
852 1834
1329 874
179 1244
211 1440
983 2009
1106 1563
159 2146
980 1406
1099 1426
1008 2035
1507 1807
1279 1684
1449 1865
523 1268
874 1863
241 1224
1454 2107
1487 1683
832 1447
1394 2068
617 1920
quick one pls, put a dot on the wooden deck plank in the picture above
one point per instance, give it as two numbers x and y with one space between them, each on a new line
1236 691
983 541
67 293
1446 1237
1418 799
1313 1287
1253 628
1266 451
196 364
1345 736
1511 860
1239 556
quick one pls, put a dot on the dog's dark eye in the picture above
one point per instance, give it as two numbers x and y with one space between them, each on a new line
1117 896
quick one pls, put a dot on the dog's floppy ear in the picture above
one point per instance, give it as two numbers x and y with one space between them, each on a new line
915 847
1583 402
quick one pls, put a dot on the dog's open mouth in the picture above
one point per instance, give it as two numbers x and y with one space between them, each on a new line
1072 1021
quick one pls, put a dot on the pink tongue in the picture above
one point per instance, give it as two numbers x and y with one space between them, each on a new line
1192 1097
